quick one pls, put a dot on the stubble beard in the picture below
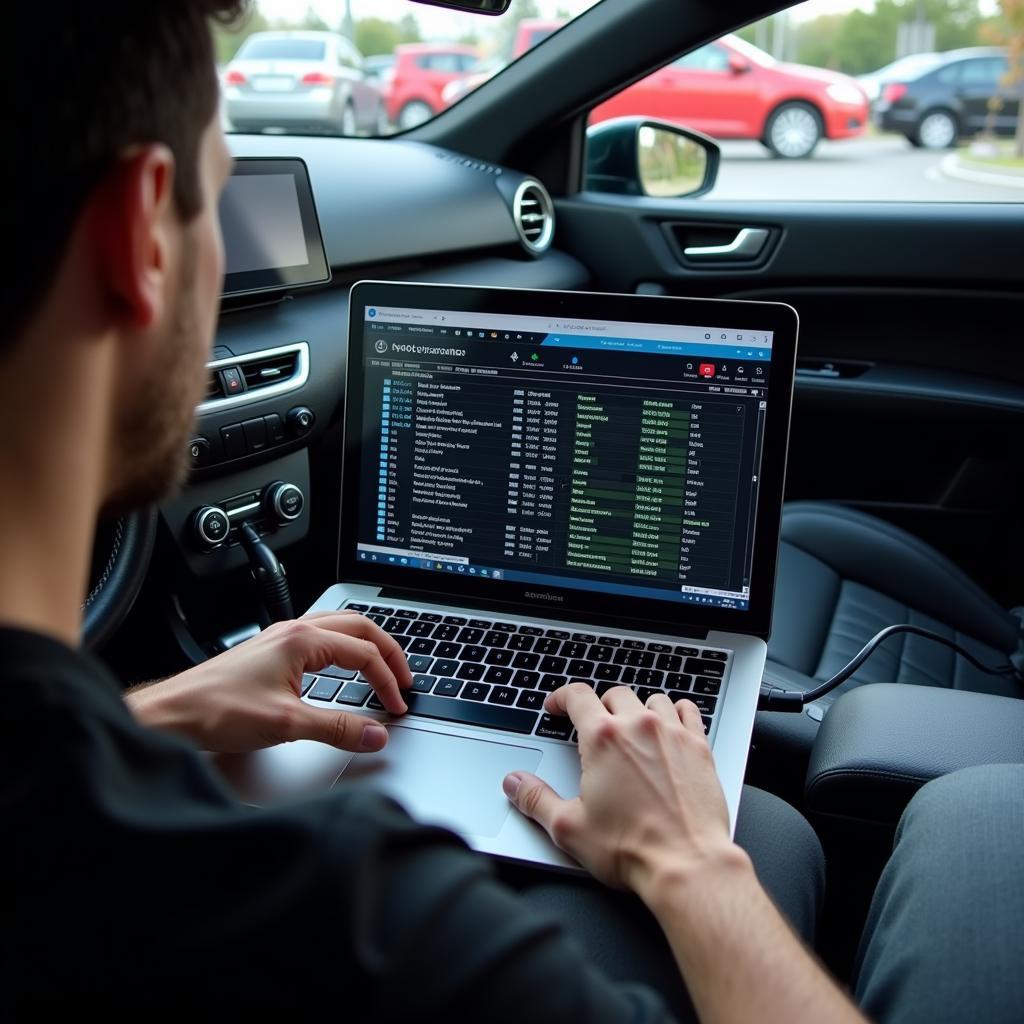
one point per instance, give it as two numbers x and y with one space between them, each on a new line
150 442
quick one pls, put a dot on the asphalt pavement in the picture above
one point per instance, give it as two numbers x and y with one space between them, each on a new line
876 168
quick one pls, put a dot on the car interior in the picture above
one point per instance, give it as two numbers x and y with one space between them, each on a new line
904 479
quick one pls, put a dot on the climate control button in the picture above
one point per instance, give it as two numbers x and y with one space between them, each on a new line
210 526
283 502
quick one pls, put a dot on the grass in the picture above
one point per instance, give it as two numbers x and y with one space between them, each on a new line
1003 158
1016 162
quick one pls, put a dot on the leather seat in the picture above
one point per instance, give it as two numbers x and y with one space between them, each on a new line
843 576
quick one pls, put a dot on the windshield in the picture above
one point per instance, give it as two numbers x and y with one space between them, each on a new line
367 67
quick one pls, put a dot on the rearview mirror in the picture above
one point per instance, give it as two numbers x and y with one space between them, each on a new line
472 6
738 65
640 157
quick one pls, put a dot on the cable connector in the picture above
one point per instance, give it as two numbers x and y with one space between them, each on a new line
773 698
268 573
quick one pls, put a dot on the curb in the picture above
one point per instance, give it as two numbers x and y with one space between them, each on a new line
952 167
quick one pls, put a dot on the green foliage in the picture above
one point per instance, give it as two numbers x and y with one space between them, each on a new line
375 35
409 29
1007 29
228 38
861 41
311 21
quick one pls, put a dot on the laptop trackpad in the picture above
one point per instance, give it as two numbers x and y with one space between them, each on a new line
445 779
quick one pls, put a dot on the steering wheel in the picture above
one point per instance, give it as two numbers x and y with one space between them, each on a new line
120 558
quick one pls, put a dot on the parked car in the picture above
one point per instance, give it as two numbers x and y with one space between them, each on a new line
421 72
936 108
910 66
732 90
379 69
302 82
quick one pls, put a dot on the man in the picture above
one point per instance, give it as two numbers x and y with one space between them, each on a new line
132 878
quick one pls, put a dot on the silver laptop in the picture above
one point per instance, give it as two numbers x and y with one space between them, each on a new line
542 487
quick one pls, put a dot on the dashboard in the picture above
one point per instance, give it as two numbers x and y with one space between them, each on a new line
388 209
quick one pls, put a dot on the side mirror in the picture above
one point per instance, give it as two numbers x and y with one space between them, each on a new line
640 157
738 65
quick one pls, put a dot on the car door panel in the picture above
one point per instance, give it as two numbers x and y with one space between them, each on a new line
910 387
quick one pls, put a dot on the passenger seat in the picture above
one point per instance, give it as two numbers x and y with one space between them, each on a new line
843 576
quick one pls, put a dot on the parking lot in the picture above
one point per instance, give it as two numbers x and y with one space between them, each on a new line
876 168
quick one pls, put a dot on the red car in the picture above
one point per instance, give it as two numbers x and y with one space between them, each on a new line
420 72
732 90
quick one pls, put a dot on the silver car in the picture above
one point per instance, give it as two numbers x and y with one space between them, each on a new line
301 82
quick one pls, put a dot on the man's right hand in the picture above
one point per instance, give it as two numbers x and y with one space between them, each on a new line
650 802
651 817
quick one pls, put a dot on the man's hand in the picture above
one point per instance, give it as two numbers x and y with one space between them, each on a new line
249 697
650 801
651 817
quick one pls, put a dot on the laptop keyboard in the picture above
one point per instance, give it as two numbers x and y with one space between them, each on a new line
495 674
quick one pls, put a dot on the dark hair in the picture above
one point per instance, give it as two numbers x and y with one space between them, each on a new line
82 82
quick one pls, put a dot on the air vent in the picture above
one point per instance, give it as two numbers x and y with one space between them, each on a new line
270 372
214 387
265 373
534 216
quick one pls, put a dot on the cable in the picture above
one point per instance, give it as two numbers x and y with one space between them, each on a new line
775 699
268 573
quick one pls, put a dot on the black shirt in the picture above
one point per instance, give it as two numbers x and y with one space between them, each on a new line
132 877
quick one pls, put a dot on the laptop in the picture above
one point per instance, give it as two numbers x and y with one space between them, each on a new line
541 487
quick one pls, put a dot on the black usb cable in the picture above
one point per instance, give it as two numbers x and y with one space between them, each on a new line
773 698
268 573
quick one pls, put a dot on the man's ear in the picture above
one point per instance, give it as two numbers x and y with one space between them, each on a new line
132 214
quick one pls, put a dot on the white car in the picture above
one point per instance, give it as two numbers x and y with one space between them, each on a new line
911 65
302 82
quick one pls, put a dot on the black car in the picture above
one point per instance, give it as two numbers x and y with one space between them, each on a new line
952 100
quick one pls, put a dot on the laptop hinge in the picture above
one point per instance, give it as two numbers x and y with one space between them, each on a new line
645 625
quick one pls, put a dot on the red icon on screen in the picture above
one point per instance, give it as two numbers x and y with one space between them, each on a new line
707 369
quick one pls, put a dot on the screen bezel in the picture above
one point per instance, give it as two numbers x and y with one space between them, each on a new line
316 269
580 605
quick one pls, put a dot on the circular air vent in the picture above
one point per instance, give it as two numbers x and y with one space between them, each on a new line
534 215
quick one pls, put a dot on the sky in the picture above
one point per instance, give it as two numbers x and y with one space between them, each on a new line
436 23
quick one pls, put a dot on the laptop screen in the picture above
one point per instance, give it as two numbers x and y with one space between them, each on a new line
561 452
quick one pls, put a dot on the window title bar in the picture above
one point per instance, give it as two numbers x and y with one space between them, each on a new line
575 329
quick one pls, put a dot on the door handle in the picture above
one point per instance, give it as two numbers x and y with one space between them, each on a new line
747 245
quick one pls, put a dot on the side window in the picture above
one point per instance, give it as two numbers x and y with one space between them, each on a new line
707 58
446 63
348 55
847 101
983 72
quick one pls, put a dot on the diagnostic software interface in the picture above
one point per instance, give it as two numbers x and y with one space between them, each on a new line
595 454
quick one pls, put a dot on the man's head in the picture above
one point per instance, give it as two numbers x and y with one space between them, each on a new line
111 199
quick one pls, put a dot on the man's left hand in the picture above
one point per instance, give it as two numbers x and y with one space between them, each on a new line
249 697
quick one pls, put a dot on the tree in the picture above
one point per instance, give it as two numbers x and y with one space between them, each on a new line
409 29
228 38
313 22
375 35
862 41
1008 31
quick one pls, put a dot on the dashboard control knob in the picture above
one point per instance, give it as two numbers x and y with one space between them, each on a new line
300 420
283 502
210 526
